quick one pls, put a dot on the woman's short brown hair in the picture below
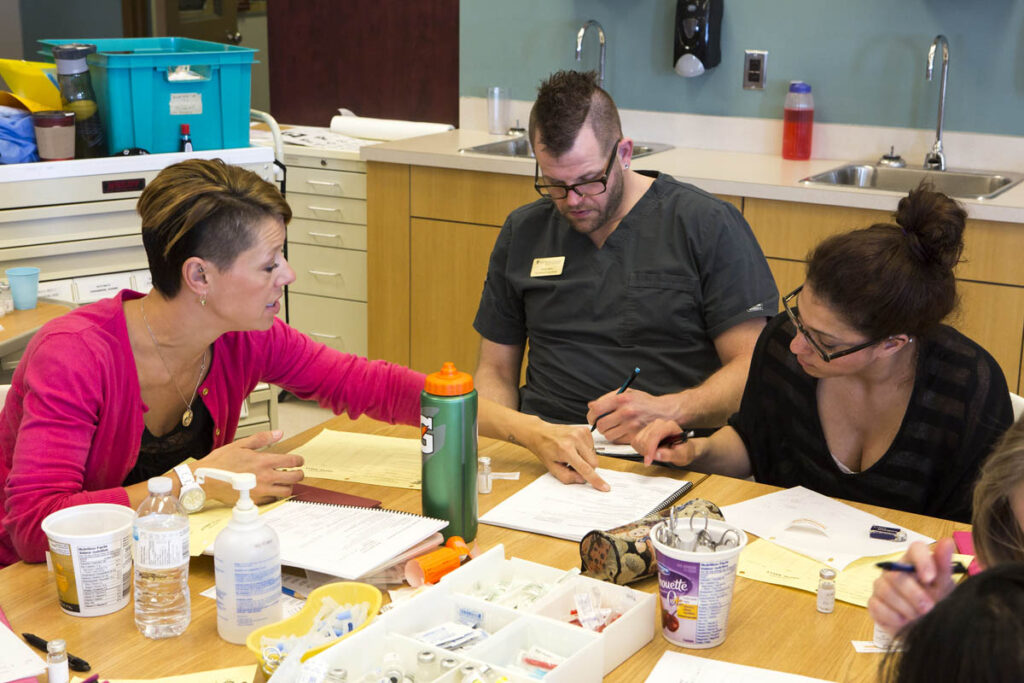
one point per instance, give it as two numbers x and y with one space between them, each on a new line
997 534
204 208
894 278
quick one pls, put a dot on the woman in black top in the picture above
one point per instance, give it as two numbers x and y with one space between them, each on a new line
858 391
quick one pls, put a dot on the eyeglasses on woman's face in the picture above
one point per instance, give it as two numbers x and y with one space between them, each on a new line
827 352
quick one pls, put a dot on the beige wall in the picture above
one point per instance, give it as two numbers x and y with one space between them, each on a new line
10 32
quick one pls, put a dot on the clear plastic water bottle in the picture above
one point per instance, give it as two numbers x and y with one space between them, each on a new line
162 602
798 122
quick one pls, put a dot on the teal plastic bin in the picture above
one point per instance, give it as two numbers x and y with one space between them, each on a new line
147 87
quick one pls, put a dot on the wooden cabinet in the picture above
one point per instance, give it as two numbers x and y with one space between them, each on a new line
327 247
990 280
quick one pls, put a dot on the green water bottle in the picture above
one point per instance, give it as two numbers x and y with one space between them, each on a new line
448 440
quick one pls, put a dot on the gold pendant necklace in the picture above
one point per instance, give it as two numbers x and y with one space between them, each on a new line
186 417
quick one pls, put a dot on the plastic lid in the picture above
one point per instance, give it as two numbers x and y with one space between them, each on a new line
799 86
53 119
185 129
160 485
449 382
73 50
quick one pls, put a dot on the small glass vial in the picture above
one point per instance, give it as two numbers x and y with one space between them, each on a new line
426 666
483 475
394 672
6 299
57 662
469 674
827 591
448 663
881 638
337 675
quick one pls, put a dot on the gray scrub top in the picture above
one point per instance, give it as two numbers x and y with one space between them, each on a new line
681 268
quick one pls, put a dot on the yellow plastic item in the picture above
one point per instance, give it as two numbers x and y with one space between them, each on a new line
30 83
342 592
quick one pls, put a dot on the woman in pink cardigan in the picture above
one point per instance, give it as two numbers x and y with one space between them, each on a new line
130 387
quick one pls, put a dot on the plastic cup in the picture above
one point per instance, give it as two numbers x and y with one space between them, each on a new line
24 286
497 110
91 552
696 587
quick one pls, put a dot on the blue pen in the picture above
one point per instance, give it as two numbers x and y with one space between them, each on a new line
625 385
957 567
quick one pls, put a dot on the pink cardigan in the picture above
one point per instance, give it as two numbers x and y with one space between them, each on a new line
72 425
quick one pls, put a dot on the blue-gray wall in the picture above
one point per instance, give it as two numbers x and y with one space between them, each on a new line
865 59
67 19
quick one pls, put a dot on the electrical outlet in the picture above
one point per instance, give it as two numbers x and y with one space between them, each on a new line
755 64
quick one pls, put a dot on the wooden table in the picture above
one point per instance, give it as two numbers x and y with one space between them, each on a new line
769 626
19 326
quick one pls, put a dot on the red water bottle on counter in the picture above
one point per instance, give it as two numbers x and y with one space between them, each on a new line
797 122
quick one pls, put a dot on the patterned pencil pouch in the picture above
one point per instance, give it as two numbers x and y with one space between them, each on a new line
625 554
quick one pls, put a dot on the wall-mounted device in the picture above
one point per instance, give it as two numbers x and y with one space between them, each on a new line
698 44
755 69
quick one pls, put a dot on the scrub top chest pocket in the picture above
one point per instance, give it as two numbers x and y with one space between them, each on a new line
661 308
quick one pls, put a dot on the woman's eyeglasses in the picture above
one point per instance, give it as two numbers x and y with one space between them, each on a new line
793 311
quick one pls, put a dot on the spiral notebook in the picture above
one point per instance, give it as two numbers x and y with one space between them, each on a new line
549 507
345 541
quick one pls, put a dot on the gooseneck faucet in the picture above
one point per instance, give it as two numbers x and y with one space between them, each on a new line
935 159
579 48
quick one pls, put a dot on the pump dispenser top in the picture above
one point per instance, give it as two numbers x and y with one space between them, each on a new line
243 482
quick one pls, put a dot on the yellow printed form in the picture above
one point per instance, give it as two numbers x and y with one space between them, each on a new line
203 526
767 562
236 674
363 458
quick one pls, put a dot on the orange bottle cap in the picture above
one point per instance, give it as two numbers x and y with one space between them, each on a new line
431 567
449 382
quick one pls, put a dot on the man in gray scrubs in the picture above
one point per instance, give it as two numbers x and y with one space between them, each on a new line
614 269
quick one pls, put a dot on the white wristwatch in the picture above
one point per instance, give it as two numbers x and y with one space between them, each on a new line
192 495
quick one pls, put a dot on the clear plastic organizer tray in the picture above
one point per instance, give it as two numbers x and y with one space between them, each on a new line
588 655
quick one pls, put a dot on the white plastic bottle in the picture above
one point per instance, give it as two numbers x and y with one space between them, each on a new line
246 562
162 601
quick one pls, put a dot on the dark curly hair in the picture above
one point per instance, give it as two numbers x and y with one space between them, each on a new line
894 278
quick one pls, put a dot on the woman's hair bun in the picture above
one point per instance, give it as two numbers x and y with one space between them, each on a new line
934 226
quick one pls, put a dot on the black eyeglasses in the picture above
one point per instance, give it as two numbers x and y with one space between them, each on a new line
588 188
794 315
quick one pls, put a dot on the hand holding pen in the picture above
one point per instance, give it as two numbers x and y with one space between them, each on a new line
901 596
625 385
660 440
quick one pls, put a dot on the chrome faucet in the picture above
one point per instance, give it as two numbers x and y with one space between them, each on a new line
935 159
579 48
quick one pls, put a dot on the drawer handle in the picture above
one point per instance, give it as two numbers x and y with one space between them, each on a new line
324 182
324 208
329 235
325 336
324 273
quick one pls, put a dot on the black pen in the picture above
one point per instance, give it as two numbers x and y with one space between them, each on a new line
74 663
625 385
675 439
958 567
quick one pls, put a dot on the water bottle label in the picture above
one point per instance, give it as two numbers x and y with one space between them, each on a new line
161 549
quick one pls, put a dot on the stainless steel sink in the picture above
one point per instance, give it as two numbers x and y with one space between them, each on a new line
520 147
956 183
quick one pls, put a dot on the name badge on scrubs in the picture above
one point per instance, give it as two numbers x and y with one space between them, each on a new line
545 267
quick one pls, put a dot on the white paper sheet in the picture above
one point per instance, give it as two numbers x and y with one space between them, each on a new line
17 660
676 667
605 447
816 526
547 506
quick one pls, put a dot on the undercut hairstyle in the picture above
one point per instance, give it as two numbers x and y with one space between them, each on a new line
567 100
997 534
894 278
974 635
203 208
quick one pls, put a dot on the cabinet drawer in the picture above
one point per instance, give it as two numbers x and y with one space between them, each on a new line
310 159
49 224
328 272
324 234
75 259
321 208
330 183
337 323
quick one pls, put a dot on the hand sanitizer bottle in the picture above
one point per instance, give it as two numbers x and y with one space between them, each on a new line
246 562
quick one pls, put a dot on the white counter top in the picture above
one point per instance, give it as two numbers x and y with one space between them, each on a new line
762 176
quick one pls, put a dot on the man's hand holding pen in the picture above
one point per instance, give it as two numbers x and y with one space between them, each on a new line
665 441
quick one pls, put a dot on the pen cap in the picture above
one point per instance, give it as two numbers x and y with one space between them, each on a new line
243 482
